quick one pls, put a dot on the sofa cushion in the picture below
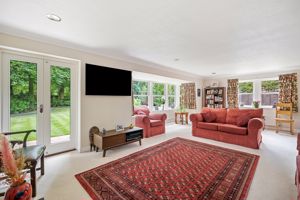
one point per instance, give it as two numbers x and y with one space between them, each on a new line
233 129
254 113
154 123
220 113
242 120
208 126
209 116
234 113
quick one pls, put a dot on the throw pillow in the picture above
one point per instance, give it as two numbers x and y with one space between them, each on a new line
242 120
209 116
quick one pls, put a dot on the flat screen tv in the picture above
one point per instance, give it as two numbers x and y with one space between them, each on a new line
107 81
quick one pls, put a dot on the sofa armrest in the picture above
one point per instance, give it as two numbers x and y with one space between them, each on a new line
196 117
161 117
142 119
255 124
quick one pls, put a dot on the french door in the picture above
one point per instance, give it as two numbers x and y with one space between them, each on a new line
40 94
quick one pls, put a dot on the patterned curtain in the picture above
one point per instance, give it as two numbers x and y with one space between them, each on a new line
232 93
288 90
188 95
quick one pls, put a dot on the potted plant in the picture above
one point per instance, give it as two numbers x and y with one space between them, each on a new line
256 104
12 166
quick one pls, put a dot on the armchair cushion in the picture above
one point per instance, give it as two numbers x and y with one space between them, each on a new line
143 109
154 123
157 116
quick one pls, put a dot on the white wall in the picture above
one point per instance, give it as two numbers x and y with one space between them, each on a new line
269 113
101 111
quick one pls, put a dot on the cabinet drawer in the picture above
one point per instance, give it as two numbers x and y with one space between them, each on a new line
113 140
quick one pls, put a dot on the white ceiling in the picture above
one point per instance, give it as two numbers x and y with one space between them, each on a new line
230 37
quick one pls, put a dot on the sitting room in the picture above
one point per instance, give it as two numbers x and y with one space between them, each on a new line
149 100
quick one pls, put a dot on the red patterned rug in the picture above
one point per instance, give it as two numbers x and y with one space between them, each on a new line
175 169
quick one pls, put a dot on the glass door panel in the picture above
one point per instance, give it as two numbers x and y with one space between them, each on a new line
23 98
60 89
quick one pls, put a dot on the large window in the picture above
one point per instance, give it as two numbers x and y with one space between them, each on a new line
140 93
245 93
158 94
171 96
269 92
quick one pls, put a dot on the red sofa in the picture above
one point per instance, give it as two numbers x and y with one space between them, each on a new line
224 128
153 124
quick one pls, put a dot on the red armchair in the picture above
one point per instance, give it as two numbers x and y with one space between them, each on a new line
153 124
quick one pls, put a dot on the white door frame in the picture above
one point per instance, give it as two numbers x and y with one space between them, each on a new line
6 56
64 146
6 92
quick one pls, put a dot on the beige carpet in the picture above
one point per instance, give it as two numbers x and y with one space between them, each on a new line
274 177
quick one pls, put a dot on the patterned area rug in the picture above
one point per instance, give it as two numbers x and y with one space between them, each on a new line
175 169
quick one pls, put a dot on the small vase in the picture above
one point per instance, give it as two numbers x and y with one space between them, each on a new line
19 192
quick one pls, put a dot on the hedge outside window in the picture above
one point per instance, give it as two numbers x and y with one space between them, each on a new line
245 93
171 96
269 92
158 94
140 93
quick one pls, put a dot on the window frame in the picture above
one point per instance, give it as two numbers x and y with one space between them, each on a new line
151 96
142 95
261 92
156 95
167 96
257 91
253 90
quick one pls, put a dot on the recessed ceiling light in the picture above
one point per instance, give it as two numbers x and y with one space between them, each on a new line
54 17
176 59
213 73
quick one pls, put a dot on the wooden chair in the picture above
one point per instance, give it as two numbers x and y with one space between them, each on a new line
32 155
284 114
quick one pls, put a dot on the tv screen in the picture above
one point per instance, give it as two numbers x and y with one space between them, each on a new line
107 81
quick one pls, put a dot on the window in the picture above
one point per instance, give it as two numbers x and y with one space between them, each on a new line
140 93
269 92
245 93
158 92
171 96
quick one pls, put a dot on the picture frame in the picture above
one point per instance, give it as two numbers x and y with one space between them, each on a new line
119 128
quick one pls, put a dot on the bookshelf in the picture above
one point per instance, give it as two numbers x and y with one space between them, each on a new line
214 97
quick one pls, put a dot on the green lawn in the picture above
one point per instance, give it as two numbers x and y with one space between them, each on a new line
60 123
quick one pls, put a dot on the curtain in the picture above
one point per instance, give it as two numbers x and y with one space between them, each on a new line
188 95
232 93
288 90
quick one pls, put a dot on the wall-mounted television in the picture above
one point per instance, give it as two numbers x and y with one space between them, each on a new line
107 81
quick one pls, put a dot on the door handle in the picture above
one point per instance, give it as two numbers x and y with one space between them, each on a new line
41 108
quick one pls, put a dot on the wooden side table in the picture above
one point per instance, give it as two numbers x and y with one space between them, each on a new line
182 115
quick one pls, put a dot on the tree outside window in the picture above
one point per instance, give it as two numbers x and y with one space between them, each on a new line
171 96
158 92
140 93
269 92
245 93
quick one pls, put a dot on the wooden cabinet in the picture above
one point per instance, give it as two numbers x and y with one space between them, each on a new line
214 97
113 138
